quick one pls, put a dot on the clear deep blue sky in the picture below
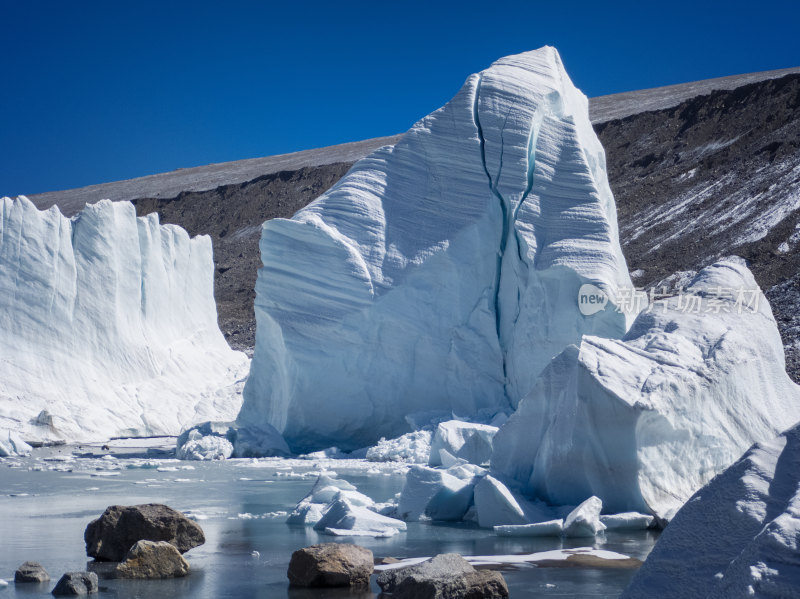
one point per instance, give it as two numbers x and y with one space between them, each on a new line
101 91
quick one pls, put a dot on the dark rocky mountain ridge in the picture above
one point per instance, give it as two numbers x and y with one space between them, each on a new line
699 171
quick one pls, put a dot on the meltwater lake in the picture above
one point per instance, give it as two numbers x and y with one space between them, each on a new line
47 499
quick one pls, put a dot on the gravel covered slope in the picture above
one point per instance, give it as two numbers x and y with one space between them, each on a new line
716 175
208 177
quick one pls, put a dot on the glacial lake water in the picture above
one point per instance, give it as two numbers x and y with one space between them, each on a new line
47 500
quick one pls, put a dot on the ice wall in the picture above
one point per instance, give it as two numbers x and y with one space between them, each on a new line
739 536
645 421
440 274
108 326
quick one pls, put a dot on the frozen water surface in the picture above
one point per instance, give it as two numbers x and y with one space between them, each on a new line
47 499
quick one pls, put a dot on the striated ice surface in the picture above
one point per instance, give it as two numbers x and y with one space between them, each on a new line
108 326
644 422
11 444
440 274
739 536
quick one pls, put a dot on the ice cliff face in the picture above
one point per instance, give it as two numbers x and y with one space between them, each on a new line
440 274
108 326
645 421
739 536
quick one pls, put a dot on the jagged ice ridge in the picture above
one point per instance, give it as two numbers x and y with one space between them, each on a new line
440 274
108 326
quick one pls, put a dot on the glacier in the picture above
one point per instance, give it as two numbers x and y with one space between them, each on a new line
739 536
108 326
441 273
645 421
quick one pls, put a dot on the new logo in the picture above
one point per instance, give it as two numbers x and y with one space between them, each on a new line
591 299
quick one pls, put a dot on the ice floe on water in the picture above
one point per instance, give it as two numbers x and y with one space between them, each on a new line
335 507
413 448
344 517
550 528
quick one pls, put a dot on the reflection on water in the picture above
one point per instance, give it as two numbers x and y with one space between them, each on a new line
45 507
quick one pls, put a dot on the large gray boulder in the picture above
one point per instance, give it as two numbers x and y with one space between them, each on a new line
77 583
111 536
31 572
331 565
445 576
153 559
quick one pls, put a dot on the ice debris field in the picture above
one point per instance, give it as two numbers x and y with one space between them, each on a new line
422 316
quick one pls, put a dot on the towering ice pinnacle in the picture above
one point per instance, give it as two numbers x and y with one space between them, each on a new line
440 274
108 326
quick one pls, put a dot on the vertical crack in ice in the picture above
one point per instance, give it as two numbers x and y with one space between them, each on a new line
505 226
509 213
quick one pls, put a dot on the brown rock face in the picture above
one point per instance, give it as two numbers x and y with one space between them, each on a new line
331 565
31 572
445 576
111 536
151 559
77 583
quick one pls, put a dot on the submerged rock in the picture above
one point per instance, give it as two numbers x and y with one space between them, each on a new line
31 572
149 559
77 583
112 535
331 565
445 576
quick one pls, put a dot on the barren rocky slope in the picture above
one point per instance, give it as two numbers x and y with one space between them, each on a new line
716 175
699 170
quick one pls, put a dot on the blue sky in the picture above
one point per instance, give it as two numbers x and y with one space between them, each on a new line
95 92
